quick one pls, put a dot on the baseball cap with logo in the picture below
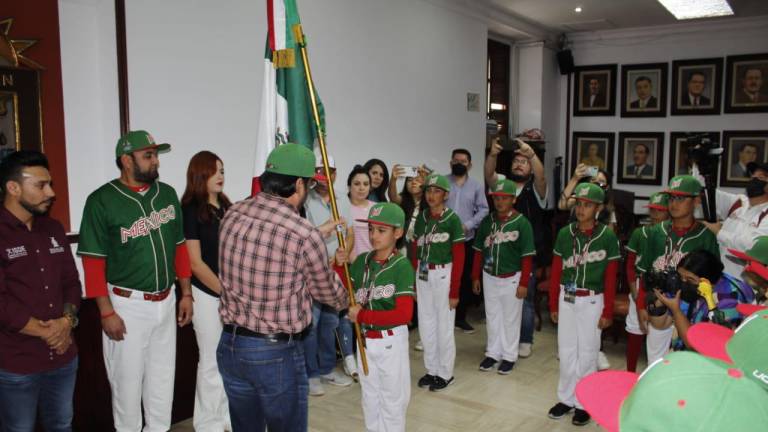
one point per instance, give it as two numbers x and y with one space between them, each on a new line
746 347
138 140
685 185
659 201
438 181
385 214
291 159
504 188
589 192
683 391
756 257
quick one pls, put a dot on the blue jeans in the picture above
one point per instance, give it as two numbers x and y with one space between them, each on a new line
320 343
346 336
266 383
529 311
49 393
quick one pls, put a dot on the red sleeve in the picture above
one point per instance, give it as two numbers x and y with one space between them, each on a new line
609 293
477 262
640 301
340 271
527 265
630 266
554 282
181 263
401 314
414 258
457 268
95 275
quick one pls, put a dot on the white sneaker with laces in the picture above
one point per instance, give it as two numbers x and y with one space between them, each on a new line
337 378
524 351
602 361
419 346
316 387
350 366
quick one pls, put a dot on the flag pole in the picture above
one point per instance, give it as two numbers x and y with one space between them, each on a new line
298 33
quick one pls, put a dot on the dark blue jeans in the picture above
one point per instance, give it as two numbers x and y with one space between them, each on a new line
266 383
49 393
320 343
529 311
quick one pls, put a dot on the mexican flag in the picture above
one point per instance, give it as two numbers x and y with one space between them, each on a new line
286 108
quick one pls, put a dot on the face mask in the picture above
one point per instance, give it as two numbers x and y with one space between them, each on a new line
756 187
458 169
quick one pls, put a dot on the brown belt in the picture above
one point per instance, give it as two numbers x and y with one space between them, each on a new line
153 297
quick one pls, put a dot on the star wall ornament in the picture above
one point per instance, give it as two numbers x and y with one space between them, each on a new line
11 49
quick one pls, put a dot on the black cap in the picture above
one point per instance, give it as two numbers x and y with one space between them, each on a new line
754 166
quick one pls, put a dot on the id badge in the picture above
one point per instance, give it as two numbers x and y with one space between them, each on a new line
570 292
423 270
488 264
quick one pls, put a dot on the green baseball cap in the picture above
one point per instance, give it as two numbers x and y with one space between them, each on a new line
438 181
589 192
659 201
745 348
291 159
138 140
386 214
685 185
683 391
758 252
504 188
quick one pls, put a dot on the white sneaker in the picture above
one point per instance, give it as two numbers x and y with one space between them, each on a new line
336 378
316 387
602 361
419 346
350 366
524 351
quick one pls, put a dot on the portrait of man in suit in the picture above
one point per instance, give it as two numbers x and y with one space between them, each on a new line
595 94
746 152
750 90
696 85
645 98
641 152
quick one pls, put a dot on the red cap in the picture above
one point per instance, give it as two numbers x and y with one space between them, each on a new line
604 392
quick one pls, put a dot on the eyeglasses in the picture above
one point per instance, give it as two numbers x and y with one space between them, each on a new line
602 185
520 162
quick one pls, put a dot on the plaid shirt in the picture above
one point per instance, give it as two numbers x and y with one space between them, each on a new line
272 263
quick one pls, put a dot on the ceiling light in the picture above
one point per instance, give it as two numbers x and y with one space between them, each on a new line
578 9
691 9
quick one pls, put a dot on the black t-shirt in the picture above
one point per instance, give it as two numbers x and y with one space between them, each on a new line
208 235
529 206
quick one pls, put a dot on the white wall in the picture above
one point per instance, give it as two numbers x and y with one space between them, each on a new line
393 77
665 44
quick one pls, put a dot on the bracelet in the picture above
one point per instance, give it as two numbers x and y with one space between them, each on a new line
107 315
186 295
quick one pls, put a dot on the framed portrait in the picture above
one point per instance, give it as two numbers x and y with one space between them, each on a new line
746 83
739 149
678 151
644 90
696 86
640 157
20 117
593 149
595 91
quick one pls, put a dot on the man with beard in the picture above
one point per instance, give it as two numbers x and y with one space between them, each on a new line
273 264
527 171
39 298
468 200
133 250
743 217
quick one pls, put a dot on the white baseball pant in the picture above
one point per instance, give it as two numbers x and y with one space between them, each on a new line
141 367
503 312
387 387
211 407
578 341
436 322
657 342
632 323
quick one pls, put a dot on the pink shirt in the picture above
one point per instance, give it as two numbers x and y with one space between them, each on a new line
362 242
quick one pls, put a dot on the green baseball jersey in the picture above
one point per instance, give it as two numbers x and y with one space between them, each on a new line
504 243
136 234
585 258
435 237
636 243
664 248
378 285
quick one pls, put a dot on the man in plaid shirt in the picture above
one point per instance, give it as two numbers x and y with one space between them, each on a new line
272 264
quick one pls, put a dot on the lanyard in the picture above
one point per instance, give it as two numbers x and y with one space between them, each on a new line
428 245
587 244
368 284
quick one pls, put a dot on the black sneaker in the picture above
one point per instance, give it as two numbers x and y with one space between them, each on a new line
465 327
505 368
559 410
487 364
580 418
426 381
440 384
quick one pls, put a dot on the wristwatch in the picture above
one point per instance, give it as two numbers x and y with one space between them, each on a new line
73 319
